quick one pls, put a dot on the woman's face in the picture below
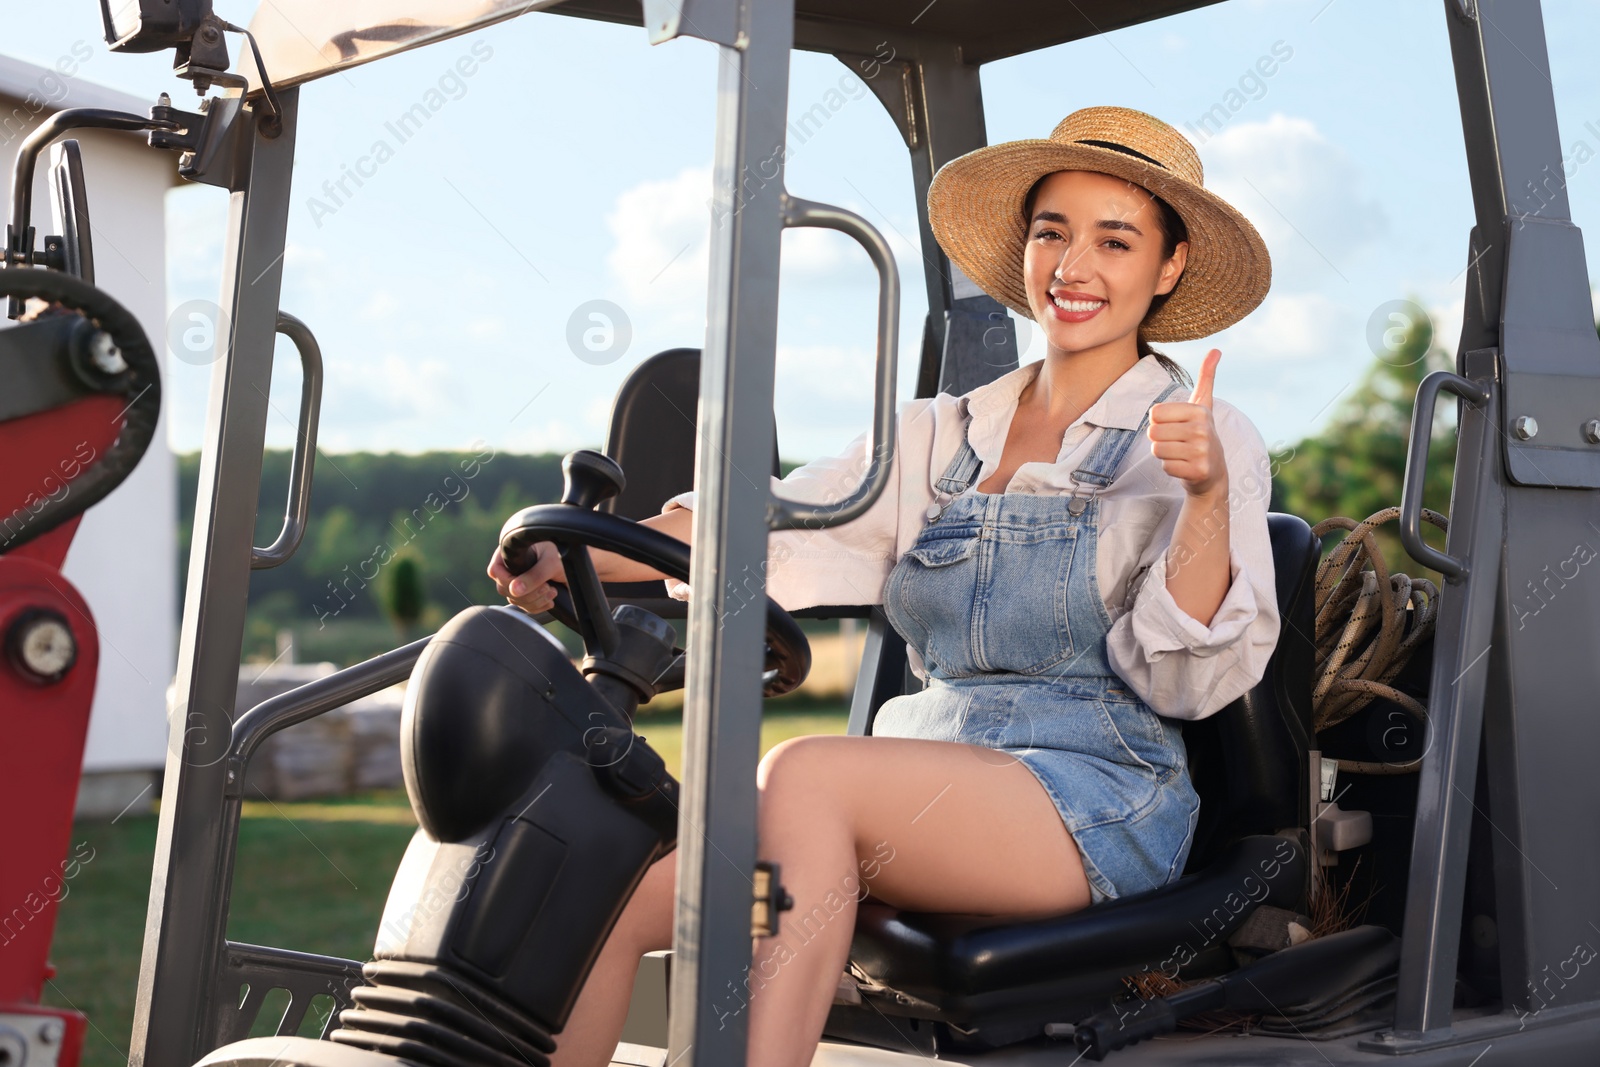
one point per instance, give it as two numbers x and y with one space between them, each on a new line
1093 260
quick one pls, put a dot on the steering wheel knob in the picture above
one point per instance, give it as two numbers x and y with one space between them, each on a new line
590 478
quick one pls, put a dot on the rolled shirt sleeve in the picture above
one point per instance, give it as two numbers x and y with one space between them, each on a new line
1180 667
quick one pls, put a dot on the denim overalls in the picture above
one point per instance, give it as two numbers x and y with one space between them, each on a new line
999 597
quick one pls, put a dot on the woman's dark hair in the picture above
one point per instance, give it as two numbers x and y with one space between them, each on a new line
1173 231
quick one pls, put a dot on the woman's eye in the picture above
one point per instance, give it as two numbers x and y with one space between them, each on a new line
1120 244
1045 235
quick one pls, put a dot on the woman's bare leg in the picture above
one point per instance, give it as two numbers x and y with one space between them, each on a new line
590 1036
925 825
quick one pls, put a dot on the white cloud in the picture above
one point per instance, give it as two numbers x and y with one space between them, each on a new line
661 253
389 400
597 414
817 255
1294 328
1447 319
379 306
1302 192
824 397
296 254
486 328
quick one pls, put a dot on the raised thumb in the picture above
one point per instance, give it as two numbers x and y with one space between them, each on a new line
1208 377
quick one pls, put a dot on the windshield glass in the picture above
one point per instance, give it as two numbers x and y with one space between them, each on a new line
305 39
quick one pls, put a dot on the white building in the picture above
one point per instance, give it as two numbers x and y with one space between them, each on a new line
124 556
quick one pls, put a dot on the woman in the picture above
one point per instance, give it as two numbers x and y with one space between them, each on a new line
1066 592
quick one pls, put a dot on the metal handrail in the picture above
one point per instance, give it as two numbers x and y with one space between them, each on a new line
1417 449
298 510
792 515
313 699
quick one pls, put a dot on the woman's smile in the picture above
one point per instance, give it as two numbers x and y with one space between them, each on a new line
1070 306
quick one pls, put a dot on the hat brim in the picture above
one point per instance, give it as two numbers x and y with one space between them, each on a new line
975 211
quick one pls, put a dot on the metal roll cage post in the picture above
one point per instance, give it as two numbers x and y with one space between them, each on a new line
185 952
1528 348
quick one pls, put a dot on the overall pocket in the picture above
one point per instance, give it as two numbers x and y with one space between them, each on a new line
928 599
1022 616
1148 737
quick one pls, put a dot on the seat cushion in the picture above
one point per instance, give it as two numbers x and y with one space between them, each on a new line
961 968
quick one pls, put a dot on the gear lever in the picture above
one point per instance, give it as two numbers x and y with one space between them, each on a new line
589 479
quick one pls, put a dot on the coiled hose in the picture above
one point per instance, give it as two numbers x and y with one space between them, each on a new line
1368 624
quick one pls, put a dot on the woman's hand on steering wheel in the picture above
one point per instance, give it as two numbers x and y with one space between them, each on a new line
533 590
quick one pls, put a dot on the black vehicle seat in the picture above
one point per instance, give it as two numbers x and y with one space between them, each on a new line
652 431
652 437
985 982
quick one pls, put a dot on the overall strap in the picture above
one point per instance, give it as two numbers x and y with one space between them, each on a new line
1113 445
1097 470
963 469
957 478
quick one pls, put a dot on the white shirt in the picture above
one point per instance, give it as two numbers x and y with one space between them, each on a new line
1179 667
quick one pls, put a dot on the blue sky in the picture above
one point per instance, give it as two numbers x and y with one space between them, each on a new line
572 166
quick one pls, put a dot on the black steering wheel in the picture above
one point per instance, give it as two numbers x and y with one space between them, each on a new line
573 525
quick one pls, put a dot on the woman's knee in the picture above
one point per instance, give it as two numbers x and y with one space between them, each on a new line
799 763
803 784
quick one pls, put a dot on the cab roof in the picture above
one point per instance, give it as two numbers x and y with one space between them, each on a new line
301 40
985 30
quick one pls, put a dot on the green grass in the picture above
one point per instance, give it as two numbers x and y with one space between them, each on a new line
309 876
666 735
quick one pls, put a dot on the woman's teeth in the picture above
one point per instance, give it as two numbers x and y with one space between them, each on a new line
1077 305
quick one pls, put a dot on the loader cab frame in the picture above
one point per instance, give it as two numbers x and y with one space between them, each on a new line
1528 350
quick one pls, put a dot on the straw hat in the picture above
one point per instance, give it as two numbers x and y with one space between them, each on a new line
975 209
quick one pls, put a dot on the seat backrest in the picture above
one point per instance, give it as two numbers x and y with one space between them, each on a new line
1250 762
652 437
653 432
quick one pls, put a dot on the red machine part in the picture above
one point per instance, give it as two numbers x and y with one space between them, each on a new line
49 656
47 675
42 1033
47 679
43 453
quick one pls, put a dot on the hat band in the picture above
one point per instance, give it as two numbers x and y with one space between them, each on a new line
1125 150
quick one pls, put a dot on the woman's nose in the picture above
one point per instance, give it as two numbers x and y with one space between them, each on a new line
1072 260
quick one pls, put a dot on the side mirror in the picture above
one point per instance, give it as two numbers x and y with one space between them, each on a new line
69 203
